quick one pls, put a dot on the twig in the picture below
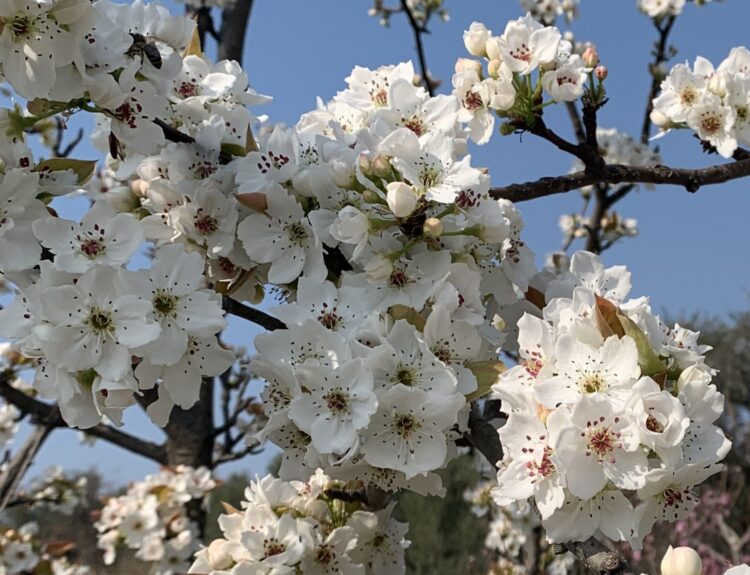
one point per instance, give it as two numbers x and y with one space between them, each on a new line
19 465
251 314
418 30
690 179
660 56
44 412
575 119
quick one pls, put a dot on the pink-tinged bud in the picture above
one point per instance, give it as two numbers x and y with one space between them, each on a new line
601 72
590 57
432 227
139 188
364 163
681 561
253 200
493 68
381 166
468 64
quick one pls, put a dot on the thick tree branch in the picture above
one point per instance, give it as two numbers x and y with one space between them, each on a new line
234 22
43 412
419 29
251 314
690 179
482 433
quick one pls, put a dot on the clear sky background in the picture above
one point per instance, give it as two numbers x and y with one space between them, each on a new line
692 251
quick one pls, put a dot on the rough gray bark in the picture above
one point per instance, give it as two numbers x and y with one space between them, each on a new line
190 441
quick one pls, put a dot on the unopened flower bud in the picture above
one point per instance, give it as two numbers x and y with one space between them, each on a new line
139 187
717 84
506 129
217 554
475 39
601 72
681 561
493 68
660 120
365 164
371 197
468 64
432 227
590 57
381 166
493 48
401 199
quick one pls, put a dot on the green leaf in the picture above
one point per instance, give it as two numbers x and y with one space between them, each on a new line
487 373
235 150
649 361
83 169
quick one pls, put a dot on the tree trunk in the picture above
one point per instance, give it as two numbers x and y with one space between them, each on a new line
190 433
190 441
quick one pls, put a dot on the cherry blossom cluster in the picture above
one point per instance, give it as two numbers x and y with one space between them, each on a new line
152 519
302 527
84 317
422 10
369 381
660 9
607 404
22 553
510 529
529 60
714 102
548 11
9 416
56 491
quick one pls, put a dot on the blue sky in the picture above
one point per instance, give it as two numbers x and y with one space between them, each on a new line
691 254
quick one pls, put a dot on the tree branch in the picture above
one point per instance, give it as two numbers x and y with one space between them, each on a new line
22 460
598 558
418 30
482 434
43 412
251 314
690 179
234 22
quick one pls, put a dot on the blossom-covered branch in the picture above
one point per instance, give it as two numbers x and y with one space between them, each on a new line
50 415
